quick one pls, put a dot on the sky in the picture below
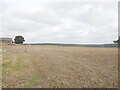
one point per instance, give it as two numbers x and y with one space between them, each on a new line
60 22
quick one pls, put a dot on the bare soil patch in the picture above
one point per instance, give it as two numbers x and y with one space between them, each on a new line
31 66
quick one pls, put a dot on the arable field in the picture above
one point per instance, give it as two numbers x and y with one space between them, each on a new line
34 66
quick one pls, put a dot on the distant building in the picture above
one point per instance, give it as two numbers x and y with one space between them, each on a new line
6 40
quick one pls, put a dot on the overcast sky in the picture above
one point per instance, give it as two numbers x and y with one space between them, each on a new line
60 22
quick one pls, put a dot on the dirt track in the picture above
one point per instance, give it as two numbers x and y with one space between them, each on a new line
56 67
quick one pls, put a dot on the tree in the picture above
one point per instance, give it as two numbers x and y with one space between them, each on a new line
117 42
19 39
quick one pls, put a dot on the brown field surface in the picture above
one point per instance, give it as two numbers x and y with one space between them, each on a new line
32 66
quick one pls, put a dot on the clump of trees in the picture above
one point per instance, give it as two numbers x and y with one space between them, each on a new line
19 39
117 42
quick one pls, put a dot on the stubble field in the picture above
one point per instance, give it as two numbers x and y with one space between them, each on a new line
32 66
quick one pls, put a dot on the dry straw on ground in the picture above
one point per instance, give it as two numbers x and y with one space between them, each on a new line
59 67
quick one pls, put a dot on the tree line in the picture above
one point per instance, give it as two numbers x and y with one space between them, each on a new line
20 39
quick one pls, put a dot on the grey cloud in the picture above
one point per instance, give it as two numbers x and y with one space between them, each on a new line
61 22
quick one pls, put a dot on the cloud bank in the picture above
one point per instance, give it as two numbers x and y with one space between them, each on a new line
60 22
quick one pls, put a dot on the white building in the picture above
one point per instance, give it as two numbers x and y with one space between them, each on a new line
6 40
